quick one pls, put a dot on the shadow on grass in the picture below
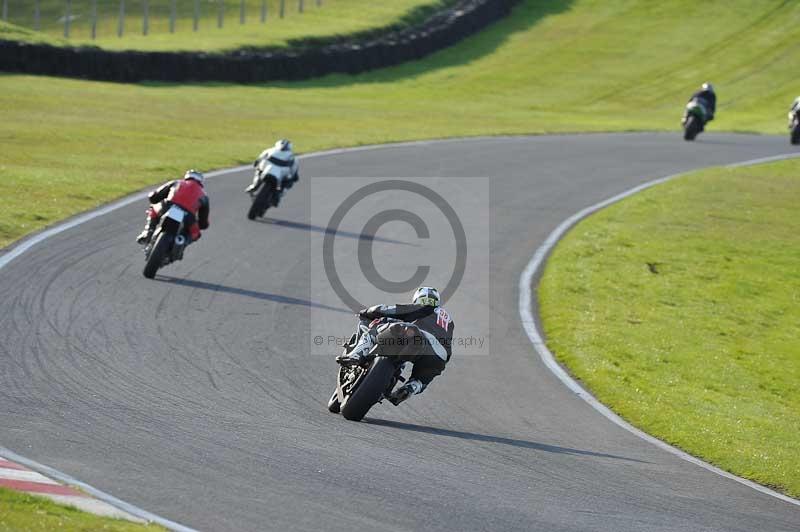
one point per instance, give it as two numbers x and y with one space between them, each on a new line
266 296
524 444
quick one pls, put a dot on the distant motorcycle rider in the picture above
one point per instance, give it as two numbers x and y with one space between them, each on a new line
794 109
435 351
189 194
282 157
707 98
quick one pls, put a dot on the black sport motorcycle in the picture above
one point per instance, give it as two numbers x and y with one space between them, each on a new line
360 387
169 240
794 126
694 119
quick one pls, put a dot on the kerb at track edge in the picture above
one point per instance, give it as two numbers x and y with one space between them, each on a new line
532 327
105 497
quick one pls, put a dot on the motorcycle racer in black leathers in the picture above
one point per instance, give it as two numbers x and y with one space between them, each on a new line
793 110
708 99
434 351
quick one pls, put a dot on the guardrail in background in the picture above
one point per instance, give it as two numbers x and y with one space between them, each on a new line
29 14
441 30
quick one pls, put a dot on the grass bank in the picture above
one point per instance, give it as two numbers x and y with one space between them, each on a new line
678 308
552 66
330 19
20 511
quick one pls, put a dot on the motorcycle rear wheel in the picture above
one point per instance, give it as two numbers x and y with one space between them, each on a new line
157 254
370 391
795 137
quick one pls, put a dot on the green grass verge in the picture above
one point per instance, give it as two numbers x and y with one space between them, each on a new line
678 308
334 18
20 511
553 66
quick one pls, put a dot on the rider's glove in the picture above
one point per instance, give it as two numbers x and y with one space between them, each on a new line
369 312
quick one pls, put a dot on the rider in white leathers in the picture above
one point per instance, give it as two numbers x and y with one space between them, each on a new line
278 161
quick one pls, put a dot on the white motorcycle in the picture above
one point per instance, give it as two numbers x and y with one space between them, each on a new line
272 177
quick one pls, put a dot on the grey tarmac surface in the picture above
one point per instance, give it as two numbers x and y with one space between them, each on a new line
194 396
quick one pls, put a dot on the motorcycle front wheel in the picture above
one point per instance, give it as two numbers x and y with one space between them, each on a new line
261 202
333 403
692 128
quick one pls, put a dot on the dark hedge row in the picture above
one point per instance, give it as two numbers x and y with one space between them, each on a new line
245 66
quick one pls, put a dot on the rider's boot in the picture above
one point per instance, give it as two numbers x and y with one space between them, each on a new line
412 387
149 228
254 185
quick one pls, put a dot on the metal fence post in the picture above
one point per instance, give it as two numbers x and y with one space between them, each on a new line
121 24
94 19
242 14
300 6
196 15
221 14
263 11
146 19
283 7
67 17
172 16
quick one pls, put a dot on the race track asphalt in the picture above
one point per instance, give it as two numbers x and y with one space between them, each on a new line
195 397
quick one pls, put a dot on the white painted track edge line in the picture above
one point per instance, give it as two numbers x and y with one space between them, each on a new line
27 476
536 337
94 492
763 160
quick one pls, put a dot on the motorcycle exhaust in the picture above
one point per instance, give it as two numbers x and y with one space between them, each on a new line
180 240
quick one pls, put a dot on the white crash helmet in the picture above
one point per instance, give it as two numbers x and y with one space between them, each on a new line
283 145
196 176
707 87
426 295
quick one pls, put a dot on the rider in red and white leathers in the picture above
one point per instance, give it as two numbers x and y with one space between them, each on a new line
189 194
